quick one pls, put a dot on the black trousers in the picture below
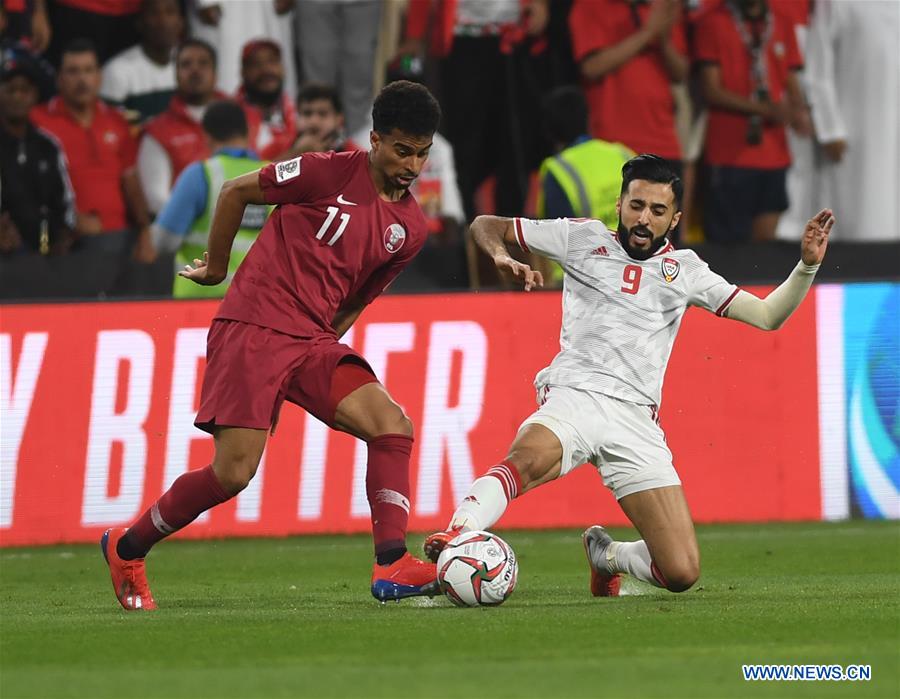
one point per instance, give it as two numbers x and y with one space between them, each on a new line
491 104
109 34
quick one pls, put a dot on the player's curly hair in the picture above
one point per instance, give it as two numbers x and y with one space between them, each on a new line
653 169
406 106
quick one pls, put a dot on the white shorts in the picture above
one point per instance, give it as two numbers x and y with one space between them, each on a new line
623 440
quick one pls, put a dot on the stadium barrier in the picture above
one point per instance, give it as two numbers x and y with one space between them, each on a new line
98 401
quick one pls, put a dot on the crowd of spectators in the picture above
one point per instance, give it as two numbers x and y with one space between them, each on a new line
120 119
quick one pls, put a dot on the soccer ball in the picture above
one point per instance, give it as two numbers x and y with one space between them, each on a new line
477 569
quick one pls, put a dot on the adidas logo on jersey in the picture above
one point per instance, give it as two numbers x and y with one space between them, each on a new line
600 251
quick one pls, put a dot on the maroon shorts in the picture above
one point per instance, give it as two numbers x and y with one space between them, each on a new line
251 370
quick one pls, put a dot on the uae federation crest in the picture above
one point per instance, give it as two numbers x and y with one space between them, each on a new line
670 268
394 237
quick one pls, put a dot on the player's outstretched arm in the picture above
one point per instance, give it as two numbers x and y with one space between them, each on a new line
771 312
230 205
492 234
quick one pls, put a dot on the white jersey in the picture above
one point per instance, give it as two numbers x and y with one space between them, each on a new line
620 315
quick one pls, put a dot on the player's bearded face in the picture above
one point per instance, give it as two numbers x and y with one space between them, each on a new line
645 242
647 212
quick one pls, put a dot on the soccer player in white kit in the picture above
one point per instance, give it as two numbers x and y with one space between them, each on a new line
624 296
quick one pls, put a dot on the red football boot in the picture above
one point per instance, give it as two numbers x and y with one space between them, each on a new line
129 578
408 576
435 543
596 542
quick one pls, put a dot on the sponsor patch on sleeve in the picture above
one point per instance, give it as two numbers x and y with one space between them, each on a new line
287 170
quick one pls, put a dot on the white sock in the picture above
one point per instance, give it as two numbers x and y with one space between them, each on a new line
484 505
632 557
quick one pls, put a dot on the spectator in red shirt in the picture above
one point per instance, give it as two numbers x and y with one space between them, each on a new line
175 138
748 57
629 52
270 112
100 151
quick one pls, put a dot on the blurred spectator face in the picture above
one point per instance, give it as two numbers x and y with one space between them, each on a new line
78 80
160 23
399 157
319 118
195 75
17 96
262 73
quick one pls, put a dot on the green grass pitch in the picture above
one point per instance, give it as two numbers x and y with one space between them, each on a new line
294 618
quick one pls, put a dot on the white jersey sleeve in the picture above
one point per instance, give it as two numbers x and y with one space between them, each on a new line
709 290
546 237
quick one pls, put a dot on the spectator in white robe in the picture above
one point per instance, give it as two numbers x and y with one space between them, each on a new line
853 73
230 24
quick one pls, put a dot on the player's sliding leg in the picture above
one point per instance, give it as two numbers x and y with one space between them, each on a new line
238 451
667 556
533 459
369 413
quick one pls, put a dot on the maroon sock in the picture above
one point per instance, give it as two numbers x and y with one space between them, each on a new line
192 494
387 488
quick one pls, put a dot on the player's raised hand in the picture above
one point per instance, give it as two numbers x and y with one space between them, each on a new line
507 265
815 237
200 272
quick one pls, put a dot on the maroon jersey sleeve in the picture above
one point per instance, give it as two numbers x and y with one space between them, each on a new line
302 179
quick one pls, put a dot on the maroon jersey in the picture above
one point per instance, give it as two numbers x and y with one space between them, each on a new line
331 237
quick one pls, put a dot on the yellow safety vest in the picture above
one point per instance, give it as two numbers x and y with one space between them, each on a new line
590 174
217 169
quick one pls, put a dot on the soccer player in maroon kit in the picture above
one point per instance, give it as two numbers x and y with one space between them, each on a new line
344 227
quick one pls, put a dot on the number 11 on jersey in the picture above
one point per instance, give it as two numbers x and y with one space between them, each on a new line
332 212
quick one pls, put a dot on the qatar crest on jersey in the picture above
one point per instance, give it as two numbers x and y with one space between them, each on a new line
394 237
670 268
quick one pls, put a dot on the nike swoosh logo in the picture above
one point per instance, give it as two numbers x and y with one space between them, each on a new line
341 200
